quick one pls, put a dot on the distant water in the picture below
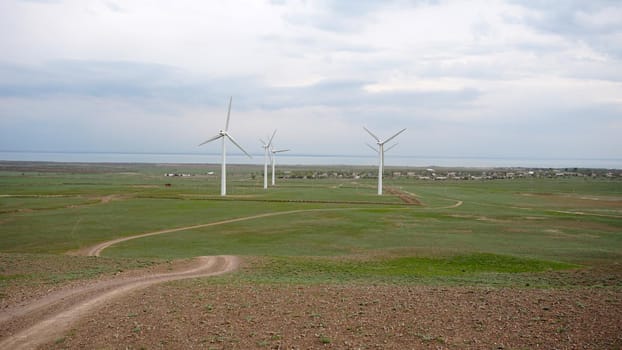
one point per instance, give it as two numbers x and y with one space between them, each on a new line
309 159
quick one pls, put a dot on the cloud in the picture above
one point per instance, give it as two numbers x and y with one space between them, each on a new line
594 23
482 77
133 80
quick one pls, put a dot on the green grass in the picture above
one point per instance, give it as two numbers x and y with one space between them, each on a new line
345 232
368 231
476 268
26 203
64 229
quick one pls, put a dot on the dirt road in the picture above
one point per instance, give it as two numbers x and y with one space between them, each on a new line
50 317
97 249
85 300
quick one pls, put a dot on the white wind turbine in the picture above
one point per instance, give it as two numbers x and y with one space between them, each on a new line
224 134
274 152
267 147
380 151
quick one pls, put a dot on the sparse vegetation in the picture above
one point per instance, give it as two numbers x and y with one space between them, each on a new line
342 267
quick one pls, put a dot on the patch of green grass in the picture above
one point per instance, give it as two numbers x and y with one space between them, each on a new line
469 264
477 268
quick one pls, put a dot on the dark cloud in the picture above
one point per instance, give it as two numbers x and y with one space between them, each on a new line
337 16
563 17
351 94
80 77
106 79
347 16
568 19
131 80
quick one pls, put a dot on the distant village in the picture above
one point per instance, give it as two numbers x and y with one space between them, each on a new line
431 174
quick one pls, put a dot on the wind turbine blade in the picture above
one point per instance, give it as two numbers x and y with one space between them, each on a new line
394 136
372 147
393 145
270 142
228 114
238 145
372 134
210 140
263 143
280 150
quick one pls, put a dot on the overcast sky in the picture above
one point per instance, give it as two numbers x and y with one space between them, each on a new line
467 78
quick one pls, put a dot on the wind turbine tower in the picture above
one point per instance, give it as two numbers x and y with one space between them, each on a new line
274 152
224 134
267 147
380 144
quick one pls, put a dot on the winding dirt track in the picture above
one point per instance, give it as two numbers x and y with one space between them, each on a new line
69 306
86 300
74 304
97 249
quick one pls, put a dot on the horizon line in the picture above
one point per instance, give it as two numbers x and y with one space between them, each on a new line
316 155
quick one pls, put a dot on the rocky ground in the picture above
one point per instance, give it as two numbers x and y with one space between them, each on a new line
195 314
581 309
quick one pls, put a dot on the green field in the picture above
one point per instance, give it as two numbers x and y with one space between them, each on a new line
330 230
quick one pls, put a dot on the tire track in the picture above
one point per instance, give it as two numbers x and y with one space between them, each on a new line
86 300
97 249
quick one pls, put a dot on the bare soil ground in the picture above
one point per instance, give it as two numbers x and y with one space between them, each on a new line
403 196
198 314
40 320
232 314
